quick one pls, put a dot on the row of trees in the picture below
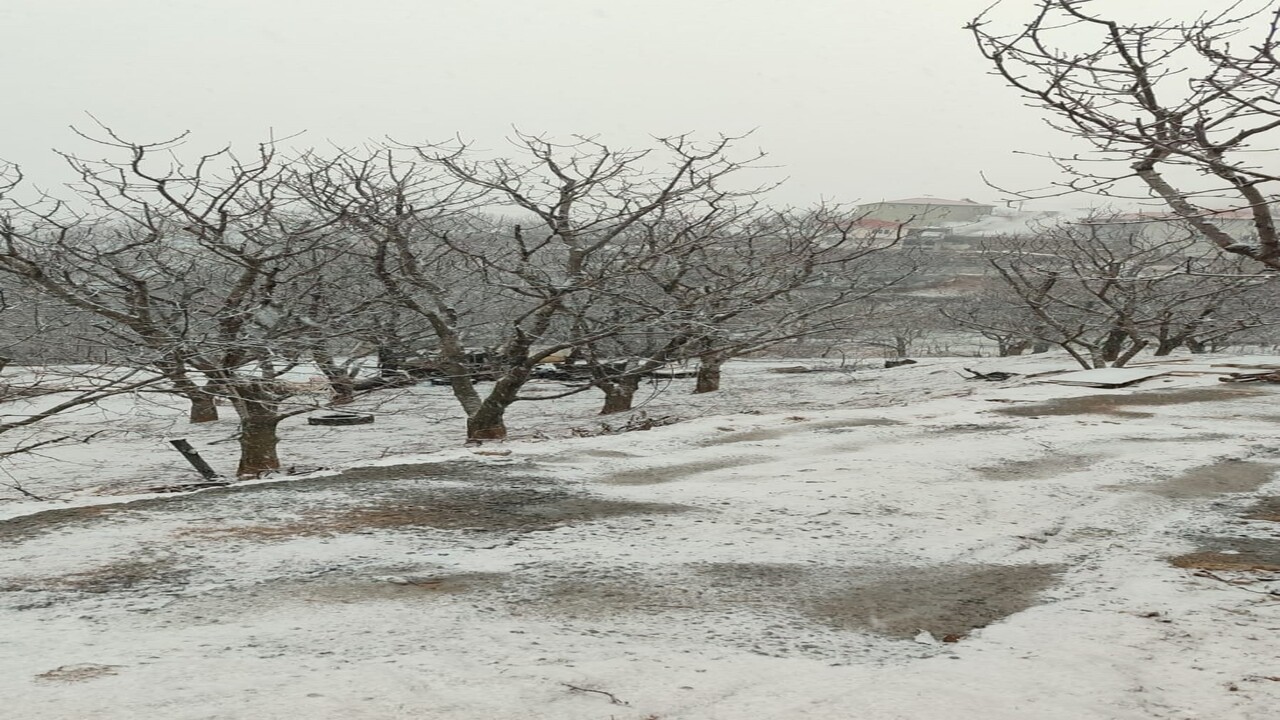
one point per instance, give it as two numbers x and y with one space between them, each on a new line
222 274
1104 293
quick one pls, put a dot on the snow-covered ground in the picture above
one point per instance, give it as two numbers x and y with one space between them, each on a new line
883 544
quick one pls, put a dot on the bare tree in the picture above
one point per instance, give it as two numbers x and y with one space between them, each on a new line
502 294
769 277
197 264
1188 109
1104 298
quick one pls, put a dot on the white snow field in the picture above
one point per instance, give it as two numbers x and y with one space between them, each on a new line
885 544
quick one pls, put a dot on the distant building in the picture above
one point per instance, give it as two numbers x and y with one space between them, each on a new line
1238 224
925 211
871 228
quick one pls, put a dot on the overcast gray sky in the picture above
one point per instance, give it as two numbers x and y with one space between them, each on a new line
853 99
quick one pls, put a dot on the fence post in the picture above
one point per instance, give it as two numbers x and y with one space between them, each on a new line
194 458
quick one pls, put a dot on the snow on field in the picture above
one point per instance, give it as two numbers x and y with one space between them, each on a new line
879 544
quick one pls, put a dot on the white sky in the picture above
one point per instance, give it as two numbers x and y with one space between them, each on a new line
853 99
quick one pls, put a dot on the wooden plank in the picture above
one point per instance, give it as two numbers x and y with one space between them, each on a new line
1107 377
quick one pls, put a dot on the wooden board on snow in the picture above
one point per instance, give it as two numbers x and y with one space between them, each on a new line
1253 362
1108 377
1161 361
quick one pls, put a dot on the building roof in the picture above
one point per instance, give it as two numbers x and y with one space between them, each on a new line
877 224
934 201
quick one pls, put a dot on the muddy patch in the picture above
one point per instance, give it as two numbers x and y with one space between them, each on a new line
948 602
1199 437
1266 509
1036 468
671 473
117 576
1232 553
81 672
898 602
607 454
974 428
1118 404
503 509
1227 476
348 590
776 433
288 493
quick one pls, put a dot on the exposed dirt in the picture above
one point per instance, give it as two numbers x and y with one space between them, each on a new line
112 577
77 673
896 602
1036 468
369 587
72 518
949 602
776 433
1227 476
1115 404
1232 553
671 473
1200 437
1266 509
494 498
502 509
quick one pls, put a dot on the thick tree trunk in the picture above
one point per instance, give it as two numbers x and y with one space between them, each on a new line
204 407
390 361
258 409
258 441
708 379
1113 344
488 421
1166 346
1012 348
341 384
619 394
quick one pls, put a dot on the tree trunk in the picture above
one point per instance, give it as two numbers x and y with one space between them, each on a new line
488 421
619 394
902 345
204 407
1196 347
1113 344
1008 347
258 408
258 441
341 384
1166 346
708 374
390 361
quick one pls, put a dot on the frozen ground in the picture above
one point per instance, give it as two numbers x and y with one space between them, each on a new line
888 544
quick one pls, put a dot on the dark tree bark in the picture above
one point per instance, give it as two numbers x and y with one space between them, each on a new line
619 394
708 379
488 421
204 407
258 440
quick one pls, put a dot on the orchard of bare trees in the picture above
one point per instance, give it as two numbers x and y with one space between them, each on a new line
213 277
219 277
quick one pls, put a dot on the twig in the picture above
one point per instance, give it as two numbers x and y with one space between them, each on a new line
612 698
1219 578
24 491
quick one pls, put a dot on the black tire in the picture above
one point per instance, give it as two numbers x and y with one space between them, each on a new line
340 419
